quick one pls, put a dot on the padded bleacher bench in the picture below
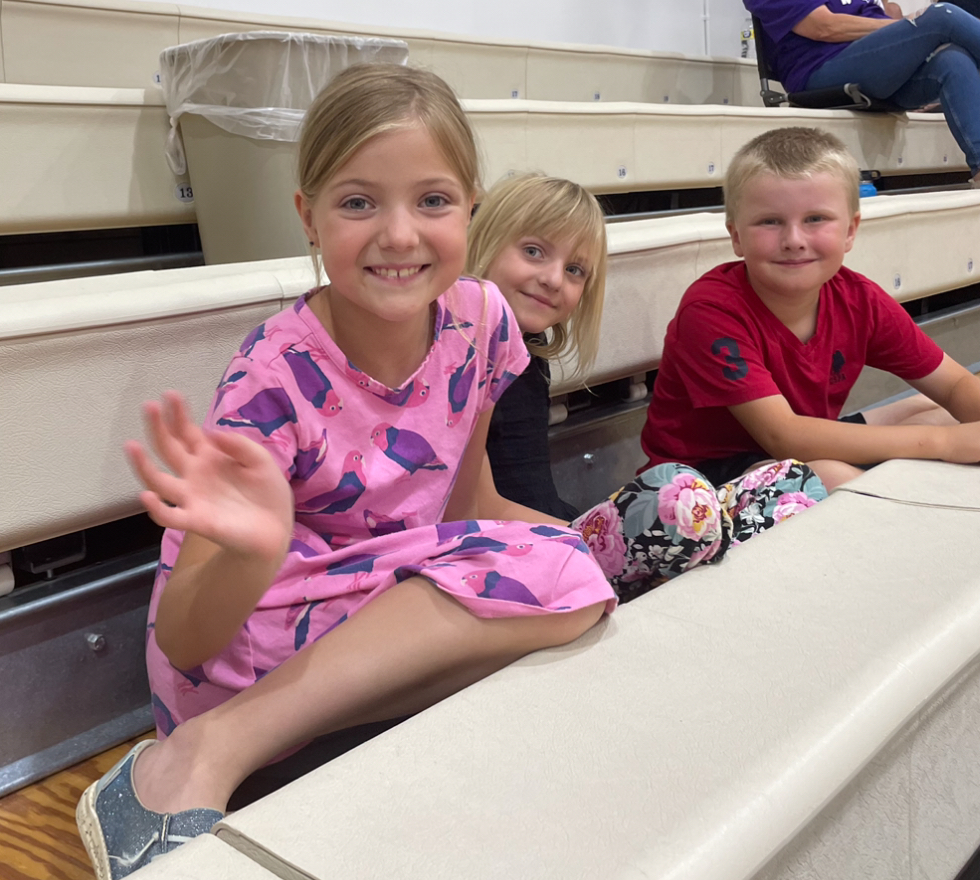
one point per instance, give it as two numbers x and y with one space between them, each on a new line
807 708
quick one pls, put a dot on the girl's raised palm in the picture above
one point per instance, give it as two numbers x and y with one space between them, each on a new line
222 486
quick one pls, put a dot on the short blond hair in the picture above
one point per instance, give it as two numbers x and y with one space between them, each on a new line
794 153
529 205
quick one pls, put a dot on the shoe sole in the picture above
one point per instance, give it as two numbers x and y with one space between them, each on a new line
87 817
90 830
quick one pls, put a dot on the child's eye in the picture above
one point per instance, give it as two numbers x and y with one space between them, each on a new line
533 251
434 201
769 221
355 203
577 271
815 218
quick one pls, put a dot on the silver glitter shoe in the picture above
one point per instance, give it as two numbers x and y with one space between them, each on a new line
120 834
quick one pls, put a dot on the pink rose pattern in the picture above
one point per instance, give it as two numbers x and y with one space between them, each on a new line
601 530
670 519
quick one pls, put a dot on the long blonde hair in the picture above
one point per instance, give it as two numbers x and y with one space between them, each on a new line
531 205
366 100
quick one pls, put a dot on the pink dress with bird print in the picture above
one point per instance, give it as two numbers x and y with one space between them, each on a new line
372 469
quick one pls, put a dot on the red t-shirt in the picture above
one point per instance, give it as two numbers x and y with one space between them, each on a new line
724 347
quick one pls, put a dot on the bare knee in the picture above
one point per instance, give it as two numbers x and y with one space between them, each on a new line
834 473
914 410
567 627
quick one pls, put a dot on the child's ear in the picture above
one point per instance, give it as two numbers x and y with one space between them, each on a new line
305 211
852 231
736 243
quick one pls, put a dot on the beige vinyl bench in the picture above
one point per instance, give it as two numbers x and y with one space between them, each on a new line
88 158
804 709
115 43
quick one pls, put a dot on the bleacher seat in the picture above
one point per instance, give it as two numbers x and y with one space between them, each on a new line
806 708
87 158
116 43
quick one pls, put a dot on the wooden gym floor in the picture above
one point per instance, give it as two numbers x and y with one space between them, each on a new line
38 837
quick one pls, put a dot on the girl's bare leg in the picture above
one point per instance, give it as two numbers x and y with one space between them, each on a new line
406 650
832 473
914 410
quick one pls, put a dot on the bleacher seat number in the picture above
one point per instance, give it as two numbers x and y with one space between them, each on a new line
184 193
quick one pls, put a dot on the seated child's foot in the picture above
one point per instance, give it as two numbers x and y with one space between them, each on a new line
120 834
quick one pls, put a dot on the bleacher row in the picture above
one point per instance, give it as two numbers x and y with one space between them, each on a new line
805 709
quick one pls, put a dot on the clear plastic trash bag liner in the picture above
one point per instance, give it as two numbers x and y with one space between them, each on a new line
258 84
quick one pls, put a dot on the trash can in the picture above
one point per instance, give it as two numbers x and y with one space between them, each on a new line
236 104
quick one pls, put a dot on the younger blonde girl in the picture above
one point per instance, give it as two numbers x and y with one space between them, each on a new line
542 241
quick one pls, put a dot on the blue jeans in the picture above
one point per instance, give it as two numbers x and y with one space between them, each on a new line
901 62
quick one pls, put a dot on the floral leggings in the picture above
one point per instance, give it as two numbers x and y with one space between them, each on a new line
670 519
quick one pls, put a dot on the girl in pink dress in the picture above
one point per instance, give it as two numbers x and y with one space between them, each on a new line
336 552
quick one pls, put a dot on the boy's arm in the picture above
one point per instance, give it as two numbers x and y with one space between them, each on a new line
954 388
784 434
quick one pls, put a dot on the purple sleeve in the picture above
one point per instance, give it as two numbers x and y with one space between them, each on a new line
251 399
507 355
779 17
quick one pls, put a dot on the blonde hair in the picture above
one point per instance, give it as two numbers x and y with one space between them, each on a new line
366 100
795 154
530 205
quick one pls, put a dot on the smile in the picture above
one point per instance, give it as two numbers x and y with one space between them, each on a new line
544 301
383 272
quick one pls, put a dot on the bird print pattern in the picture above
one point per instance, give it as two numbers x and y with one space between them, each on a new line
372 469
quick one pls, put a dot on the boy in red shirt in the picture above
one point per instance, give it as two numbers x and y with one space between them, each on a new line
762 353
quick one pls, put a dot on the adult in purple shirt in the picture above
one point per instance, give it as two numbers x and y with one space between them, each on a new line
814 45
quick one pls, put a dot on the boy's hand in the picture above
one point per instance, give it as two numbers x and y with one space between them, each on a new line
222 486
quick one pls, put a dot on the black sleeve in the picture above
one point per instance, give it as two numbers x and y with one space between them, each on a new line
517 444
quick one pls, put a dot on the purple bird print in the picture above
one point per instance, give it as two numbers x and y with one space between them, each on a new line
308 461
304 550
357 562
561 537
450 530
257 335
378 524
362 379
460 383
490 584
161 715
192 678
266 411
303 627
548 531
349 488
499 335
406 448
450 322
227 385
475 545
414 393
499 384
312 383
